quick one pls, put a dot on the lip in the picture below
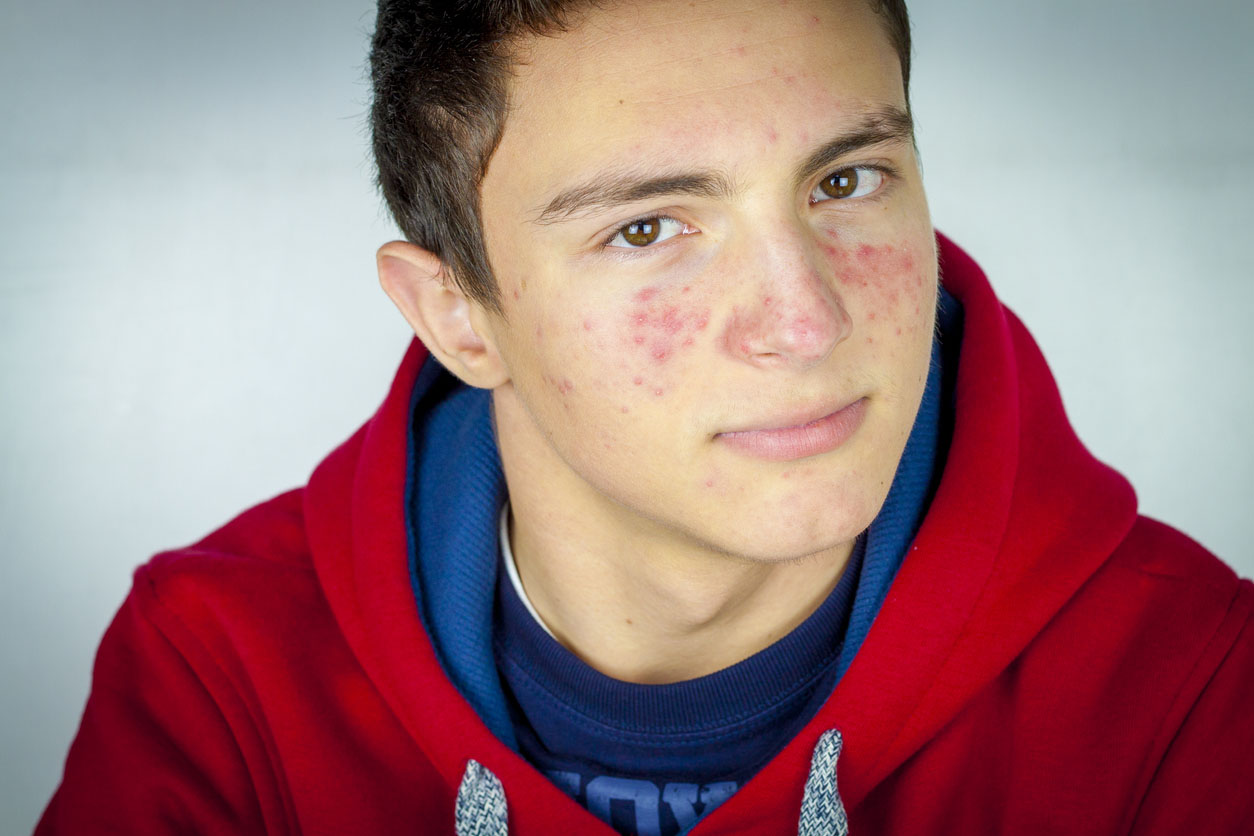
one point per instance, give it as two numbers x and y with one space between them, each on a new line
800 440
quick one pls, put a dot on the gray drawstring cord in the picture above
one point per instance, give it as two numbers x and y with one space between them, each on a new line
480 809
822 811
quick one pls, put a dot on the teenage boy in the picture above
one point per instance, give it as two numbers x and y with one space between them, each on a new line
699 493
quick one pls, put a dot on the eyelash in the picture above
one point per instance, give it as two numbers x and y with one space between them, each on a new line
889 173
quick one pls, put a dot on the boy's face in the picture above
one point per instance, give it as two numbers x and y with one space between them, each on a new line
687 260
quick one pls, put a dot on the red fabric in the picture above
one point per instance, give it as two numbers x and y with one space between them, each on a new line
1046 661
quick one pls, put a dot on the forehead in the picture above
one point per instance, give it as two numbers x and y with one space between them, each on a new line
685 83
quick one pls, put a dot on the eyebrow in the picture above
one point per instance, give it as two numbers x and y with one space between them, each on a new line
616 187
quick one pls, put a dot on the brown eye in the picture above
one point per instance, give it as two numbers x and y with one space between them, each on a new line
642 233
841 184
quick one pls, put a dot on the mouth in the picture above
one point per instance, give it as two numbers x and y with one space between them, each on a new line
798 441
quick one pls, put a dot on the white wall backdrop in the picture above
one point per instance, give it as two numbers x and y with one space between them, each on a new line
189 317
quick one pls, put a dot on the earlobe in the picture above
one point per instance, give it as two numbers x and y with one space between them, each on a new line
450 324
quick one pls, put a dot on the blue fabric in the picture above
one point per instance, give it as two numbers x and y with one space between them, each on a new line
456 489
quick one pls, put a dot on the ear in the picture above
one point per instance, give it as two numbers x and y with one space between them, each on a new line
455 328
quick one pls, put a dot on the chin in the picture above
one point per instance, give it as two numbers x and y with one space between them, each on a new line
780 539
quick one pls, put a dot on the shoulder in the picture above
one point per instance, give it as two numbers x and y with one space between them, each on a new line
247 577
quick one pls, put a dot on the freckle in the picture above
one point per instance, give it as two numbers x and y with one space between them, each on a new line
524 283
638 381
639 340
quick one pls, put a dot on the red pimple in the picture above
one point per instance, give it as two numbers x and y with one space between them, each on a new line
515 294
657 392
688 341
899 331
771 136
638 380
660 353
709 483
767 301
671 322
871 315
625 410
739 49
687 288
646 294
639 340
587 326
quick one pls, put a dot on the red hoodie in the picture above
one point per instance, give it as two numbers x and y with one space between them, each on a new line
1046 660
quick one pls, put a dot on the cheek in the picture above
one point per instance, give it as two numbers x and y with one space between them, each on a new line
887 284
613 362
650 335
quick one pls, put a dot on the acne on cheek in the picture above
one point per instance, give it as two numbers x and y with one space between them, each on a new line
887 271
656 327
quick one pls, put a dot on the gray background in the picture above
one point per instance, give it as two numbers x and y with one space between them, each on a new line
189 317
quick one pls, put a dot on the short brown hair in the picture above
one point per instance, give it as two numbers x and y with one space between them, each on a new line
440 74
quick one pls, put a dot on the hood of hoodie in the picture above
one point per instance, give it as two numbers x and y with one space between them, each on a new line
993 543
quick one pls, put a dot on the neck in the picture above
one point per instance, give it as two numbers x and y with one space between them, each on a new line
644 608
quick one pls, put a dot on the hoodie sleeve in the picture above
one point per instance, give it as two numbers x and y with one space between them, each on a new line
1205 780
156 752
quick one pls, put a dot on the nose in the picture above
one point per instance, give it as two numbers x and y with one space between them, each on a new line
794 317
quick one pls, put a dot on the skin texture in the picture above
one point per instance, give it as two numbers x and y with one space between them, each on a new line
651 548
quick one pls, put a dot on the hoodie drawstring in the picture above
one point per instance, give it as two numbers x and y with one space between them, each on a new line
822 811
481 809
